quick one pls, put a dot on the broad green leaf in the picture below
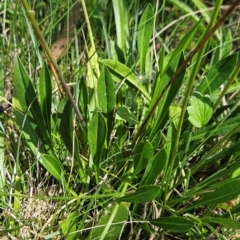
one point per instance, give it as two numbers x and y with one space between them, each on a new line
25 100
154 168
218 74
143 194
145 30
97 131
53 166
22 83
142 154
126 73
116 227
125 114
65 117
227 192
106 92
29 132
45 95
200 110
224 222
69 226
173 224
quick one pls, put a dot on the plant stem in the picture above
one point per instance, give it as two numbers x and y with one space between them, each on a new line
50 58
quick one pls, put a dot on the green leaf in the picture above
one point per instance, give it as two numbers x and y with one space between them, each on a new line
224 222
201 110
126 73
154 168
227 192
173 224
141 156
125 114
174 114
25 100
143 194
116 227
106 92
22 84
53 166
65 117
218 74
121 21
145 30
97 131
106 98
45 95
224 49
69 226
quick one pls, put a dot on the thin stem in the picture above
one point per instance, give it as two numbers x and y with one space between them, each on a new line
51 59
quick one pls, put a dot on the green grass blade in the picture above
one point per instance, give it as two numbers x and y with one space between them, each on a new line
154 168
145 30
143 194
111 225
226 192
141 156
173 224
97 132
224 222
121 23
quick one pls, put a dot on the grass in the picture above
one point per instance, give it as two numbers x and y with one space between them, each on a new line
133 133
